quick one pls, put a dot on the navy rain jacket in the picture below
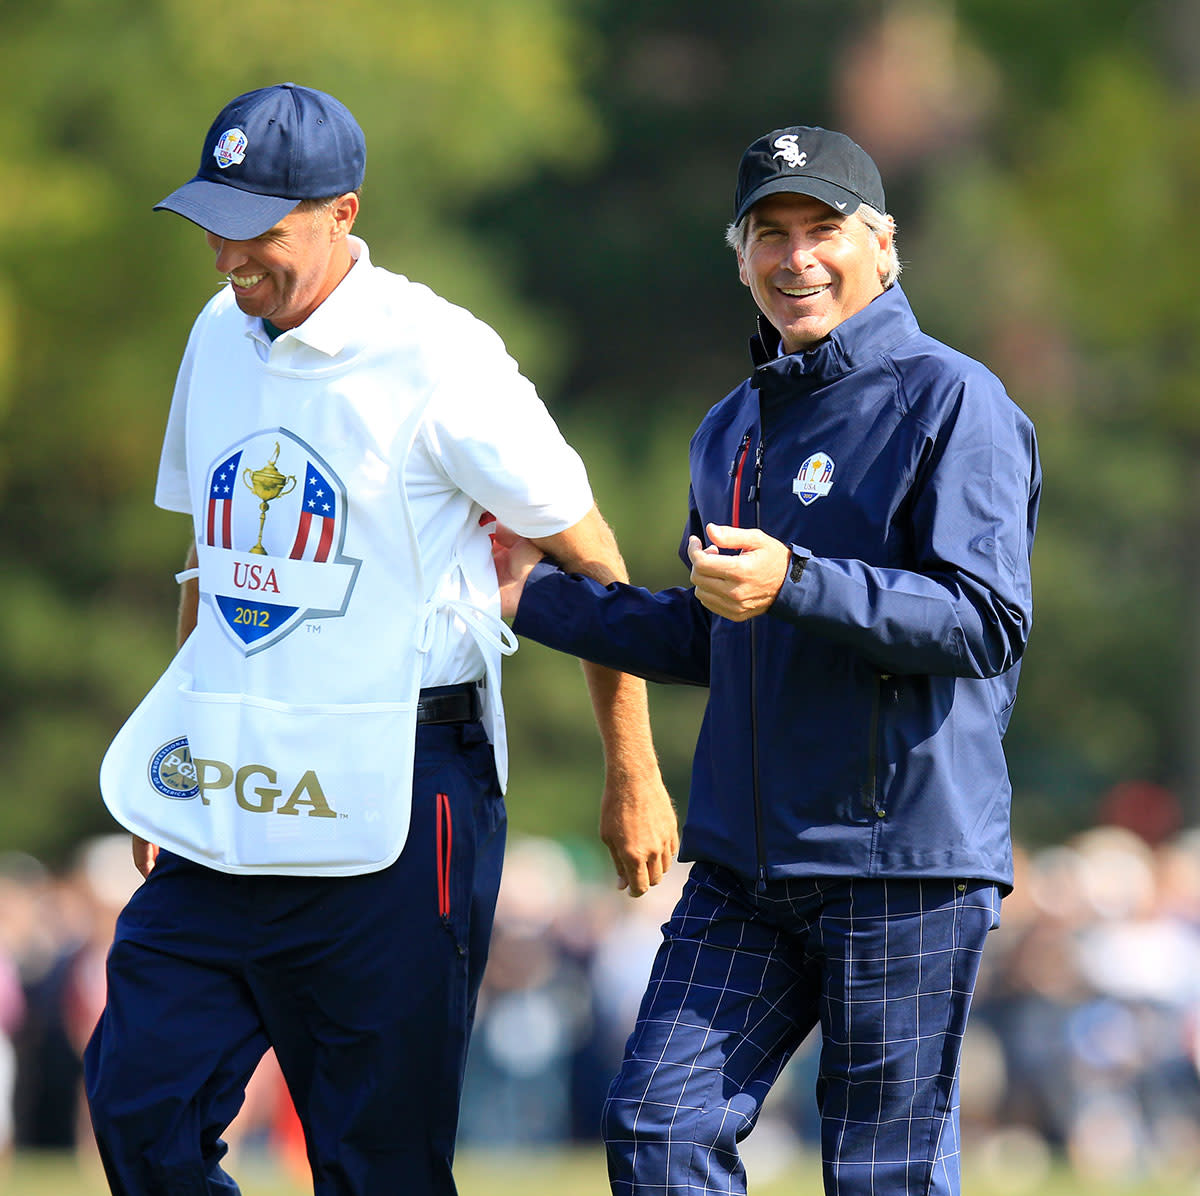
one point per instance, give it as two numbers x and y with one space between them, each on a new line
855 729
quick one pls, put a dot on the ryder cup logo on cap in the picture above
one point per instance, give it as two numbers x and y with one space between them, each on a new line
266 151
808 161
230 148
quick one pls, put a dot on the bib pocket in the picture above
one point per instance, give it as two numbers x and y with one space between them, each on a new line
323 788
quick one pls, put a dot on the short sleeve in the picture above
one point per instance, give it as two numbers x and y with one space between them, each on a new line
490 432
172 492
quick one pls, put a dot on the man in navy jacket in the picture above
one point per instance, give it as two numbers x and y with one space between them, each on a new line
861 518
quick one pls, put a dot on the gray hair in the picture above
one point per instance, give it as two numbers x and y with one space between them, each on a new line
877 222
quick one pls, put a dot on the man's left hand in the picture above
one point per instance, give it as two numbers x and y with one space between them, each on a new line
513 558
742 586
639 827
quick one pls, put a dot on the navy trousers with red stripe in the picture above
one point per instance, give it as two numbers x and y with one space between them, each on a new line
885 967
365 987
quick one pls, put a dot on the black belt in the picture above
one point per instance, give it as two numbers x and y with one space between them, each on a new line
449 703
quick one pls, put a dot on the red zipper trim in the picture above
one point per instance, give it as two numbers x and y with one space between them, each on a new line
739 464
445 843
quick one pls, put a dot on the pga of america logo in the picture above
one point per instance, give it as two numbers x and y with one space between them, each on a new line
172 772
814 479
175 775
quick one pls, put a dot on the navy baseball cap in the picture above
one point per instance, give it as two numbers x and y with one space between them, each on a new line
265 152
808 161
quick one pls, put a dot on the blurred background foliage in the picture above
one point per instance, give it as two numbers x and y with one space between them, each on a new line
565 169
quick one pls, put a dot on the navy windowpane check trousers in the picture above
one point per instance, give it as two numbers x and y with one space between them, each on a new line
886 967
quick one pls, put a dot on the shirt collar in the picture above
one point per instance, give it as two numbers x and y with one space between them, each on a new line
328 330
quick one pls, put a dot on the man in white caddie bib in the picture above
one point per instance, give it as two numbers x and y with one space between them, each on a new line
315 785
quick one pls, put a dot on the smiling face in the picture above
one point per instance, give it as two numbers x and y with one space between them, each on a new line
809 266
286 273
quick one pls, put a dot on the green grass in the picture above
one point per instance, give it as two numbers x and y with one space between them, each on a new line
581 1173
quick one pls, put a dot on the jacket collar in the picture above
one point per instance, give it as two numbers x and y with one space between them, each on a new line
866 335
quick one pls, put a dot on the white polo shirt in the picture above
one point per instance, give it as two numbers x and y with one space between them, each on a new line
486 443
342 482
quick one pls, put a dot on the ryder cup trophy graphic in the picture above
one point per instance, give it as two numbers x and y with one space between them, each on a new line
267 483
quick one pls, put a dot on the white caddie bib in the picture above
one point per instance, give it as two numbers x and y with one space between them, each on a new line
281 738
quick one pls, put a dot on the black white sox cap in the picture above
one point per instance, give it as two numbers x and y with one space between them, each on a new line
812 161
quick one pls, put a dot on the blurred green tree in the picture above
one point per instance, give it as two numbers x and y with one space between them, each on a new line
1023 146
566 171
1071 236
105 107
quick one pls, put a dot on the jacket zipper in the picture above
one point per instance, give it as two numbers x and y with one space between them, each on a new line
756 483
445 843
755 497
871 784
735 472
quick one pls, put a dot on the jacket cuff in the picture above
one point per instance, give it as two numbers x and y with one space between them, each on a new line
536 605
788 602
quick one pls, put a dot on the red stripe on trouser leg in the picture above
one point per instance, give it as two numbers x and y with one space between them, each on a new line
445 844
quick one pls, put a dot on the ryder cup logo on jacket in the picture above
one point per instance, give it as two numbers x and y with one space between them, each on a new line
230 150
270 546
814 479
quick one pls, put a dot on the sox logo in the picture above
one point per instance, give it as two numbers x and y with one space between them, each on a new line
271 543
787 149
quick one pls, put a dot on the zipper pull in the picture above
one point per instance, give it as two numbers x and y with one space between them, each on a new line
741 452
758 468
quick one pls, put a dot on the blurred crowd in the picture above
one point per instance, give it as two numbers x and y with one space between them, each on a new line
1084 1041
